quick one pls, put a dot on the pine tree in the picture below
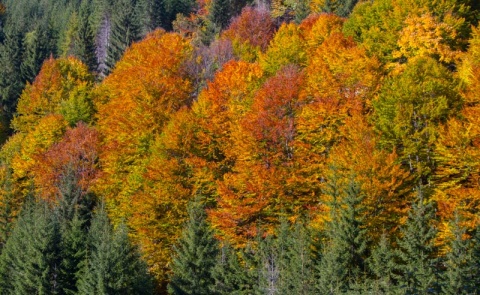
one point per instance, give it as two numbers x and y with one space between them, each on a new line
457 277
195 255
418 249
344 258
113 265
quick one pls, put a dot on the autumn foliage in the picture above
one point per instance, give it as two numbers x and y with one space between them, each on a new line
259 125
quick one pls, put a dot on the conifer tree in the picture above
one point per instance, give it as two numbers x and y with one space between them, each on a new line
457 276
269 258
474 262
220 13
31 257
227 272
39 45
295 261
86 49
195 255
125 30
11 82
157 14
73 254
382 265
343 260
6 208
342 8
113 265
174 7
417 249
73 209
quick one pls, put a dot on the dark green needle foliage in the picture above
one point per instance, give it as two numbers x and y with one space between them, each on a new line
343 260
73 252
7 209
126 29
11 83
342 8
31 258
295 259
113 265
227 272
474 262
383 268
195 255
85 47
417 249
457 278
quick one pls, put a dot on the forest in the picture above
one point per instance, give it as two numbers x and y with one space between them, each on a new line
239 147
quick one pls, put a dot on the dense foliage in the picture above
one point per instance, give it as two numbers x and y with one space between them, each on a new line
239 147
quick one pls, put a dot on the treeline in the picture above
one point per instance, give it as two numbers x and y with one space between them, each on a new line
70 247
341 259
352 125
95 31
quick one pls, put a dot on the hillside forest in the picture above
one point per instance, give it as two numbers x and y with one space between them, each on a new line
239 147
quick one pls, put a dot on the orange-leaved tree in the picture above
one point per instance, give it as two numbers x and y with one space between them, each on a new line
135 103
340 81
457 150
384 183
76 153
250 32
257 190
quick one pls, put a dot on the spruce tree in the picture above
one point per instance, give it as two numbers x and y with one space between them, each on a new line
157 14
6 208
457 276
295 260
220 13
125 30
343 260
224 271
383 268
11 82
85 48
418 250
269 267
73 254
342 8
346 7
39 45
195 255
31 257
174 7
113 265
474 262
